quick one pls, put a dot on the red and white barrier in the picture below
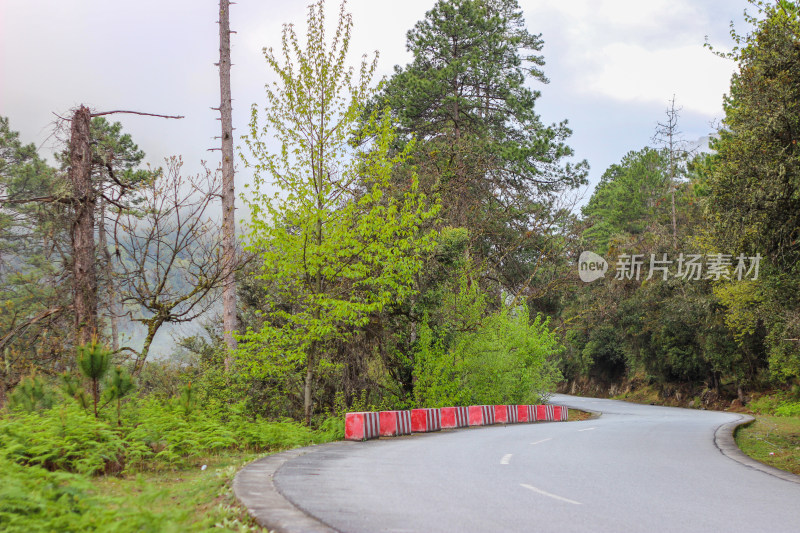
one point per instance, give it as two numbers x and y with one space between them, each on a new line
424 420
394 423
513 416
366 425
481 415
501 414
545 413
454 417
361 426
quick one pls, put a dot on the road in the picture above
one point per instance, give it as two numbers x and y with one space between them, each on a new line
634 469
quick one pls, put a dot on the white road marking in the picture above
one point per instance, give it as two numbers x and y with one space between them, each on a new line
506 459
587 429
544 493
541 441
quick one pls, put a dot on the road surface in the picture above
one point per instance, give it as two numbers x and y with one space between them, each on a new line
634 469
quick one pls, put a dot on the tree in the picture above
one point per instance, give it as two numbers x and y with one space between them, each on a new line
170 261
333 244
230 323
628 199
668 136
465 98
754 181
84 202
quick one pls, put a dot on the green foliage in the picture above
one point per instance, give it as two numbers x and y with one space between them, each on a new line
627 199
31 394
753 185
65 437
465 98
334 246
507 360
93 360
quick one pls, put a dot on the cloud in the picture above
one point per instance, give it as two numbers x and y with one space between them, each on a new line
638 52
631 72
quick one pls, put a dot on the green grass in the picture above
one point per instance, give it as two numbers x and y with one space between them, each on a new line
185 499
188 499
774 440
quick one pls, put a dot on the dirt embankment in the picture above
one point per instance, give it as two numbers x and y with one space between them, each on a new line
639 390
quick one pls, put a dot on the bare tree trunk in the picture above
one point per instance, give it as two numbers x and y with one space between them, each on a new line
108 274
229 321
310 361
82 232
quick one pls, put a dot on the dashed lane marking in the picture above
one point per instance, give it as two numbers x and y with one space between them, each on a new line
549 495
506 459
541 441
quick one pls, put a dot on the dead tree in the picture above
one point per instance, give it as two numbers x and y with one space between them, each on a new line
229 320
84 202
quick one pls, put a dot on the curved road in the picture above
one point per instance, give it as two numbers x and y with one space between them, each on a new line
635 469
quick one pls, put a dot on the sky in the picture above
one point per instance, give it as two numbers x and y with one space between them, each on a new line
613 66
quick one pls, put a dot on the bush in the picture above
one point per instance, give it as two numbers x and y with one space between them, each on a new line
508 360
62 438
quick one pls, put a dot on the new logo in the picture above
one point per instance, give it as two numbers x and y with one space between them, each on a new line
591 267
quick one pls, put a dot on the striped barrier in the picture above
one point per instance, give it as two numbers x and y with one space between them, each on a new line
513 414
505 414
424 420
454 417
545 413
394 423
361 426
371 425
481 415
501 414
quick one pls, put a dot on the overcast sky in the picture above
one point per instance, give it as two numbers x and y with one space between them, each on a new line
613 65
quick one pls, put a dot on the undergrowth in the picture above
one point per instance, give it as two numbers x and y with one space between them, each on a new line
53 459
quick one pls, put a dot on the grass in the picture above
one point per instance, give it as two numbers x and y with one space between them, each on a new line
188 499
576 415
773 440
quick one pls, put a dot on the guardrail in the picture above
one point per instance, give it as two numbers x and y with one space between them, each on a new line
371 425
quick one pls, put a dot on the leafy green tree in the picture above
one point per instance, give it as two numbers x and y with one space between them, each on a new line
507 360
754 181
332 243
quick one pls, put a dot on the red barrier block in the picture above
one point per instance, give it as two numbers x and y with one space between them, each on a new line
424 420
361 426
545 412
560 413
481 415
501 414
524 413
394 423
454 417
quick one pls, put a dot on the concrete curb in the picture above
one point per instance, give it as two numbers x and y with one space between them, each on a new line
255 488
726 443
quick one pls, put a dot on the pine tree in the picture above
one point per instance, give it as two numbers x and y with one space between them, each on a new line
482 146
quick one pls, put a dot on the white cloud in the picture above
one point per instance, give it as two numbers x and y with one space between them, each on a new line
630 72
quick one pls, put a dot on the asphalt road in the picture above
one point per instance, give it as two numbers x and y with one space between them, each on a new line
635 469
